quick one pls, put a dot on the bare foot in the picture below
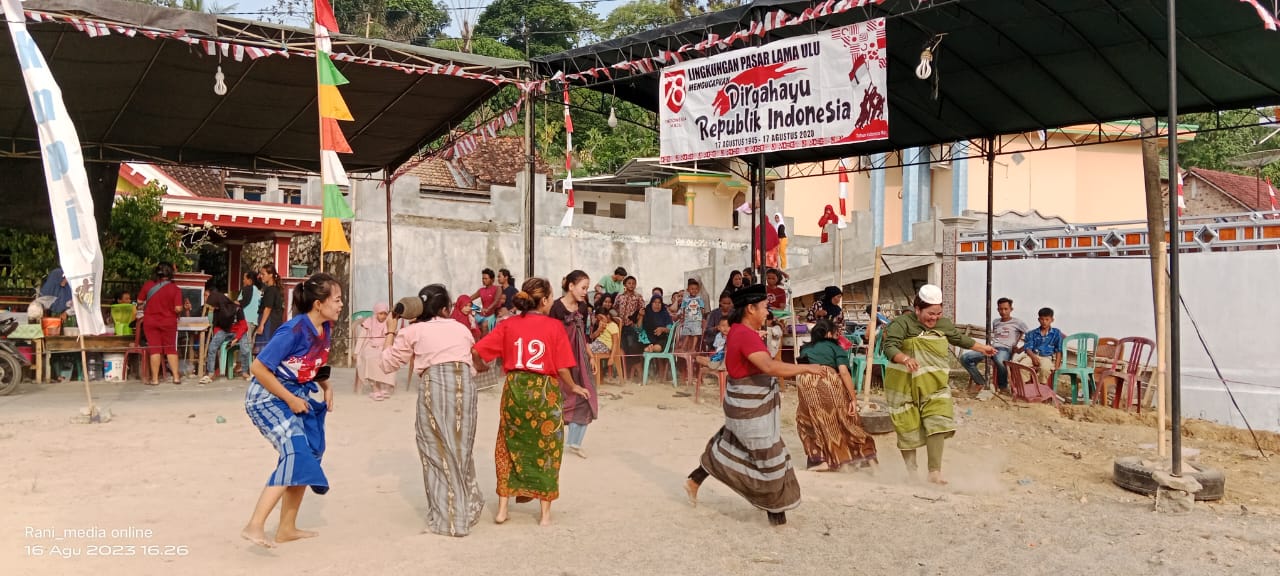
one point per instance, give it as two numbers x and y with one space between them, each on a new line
257 536
545 520
579 451
283 536
691 490
935 477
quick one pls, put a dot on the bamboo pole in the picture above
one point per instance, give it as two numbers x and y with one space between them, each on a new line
871 327
84 374
1162 351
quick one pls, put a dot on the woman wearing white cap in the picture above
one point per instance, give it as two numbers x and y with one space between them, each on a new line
916 383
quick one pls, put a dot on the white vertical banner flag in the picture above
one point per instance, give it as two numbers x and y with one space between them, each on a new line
69 197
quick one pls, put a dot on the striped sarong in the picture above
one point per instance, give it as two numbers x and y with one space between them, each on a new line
530 443
747 454
828 430
299 438
446 434
920 403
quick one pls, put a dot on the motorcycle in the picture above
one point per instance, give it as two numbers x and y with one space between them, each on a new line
12 363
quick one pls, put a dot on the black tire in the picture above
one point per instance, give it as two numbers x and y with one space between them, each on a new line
10 374
877 422
1129 473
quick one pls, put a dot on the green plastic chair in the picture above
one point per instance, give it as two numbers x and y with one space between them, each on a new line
858 363
122 315
665 354
1081 373
358 317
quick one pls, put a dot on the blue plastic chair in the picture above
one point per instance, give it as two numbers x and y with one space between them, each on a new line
665 354
1081 372
859 362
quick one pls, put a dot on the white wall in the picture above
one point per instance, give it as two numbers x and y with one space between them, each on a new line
1231 295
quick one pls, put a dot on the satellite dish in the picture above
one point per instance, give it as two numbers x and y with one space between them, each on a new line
1255 160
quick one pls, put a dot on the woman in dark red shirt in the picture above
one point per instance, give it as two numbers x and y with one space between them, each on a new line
747 454
161 302
535 350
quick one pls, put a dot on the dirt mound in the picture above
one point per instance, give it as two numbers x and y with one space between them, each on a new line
1106 415
1205 430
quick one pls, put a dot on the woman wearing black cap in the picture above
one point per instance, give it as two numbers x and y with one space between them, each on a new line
747 454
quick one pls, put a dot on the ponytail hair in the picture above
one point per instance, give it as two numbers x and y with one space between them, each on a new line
531 294
317 288
270 269
573 278
435 302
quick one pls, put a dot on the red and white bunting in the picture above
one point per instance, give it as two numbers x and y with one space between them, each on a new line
238 50
1182 203
844 188
1268 19
1271 189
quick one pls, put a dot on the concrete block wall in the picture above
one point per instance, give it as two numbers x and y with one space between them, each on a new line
449 241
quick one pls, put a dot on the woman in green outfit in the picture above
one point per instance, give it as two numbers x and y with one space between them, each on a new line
916 387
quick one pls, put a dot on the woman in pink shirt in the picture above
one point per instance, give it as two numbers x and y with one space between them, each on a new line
441 351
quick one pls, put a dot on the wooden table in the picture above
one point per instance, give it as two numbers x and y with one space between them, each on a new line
49 345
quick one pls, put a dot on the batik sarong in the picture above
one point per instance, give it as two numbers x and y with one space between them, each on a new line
530 437
446 434
828 430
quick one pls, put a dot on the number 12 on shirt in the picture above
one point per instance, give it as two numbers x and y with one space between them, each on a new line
536 350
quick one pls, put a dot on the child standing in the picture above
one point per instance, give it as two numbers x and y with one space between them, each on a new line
372 339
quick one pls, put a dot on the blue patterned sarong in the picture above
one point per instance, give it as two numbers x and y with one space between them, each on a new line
299 438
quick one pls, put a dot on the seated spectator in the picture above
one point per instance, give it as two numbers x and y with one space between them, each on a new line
606 329
1006 332
716 360
1044 348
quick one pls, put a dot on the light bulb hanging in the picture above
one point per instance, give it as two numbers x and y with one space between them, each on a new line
219 84
613 118
925 69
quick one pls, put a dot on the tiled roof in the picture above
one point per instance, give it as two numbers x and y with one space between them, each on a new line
1250 191
495 161
500 160
437 173
203 182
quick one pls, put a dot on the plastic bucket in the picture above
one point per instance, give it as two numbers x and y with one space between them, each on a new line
113 367
52 326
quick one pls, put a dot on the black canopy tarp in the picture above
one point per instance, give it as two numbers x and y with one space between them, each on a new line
1004 67
142 98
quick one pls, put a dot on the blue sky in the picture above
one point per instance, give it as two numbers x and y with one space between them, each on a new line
602 8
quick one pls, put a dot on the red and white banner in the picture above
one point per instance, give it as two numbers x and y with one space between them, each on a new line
828 88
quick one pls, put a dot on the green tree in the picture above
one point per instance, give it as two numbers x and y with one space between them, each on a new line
31 255
637 16
194 5
409 21
1214 150
140 237
550 26
482 46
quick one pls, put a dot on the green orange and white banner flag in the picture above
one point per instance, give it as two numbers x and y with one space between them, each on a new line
332 109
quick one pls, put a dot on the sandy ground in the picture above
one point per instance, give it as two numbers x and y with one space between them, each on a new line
1019 502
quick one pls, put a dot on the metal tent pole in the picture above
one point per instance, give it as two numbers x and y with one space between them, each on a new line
529 166
391 284
991 201
761 218
1175 334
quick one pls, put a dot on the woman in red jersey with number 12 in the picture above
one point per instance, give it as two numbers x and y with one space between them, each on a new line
535 350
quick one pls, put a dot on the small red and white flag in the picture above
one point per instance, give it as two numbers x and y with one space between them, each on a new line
1271 189
1182 202
844 188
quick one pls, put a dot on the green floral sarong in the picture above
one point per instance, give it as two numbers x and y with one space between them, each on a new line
920 404
530 437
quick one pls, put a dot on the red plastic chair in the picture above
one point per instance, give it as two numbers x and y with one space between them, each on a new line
1024 385
140 351
722 375
1126 371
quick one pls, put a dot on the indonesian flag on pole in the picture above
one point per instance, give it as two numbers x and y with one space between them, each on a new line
74 226
1182 202
1271 189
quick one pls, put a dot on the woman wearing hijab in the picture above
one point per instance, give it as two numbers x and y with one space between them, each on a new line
463 315
827 417
373 335
827 307
915 386
735 283
56 290
747 454
657 324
